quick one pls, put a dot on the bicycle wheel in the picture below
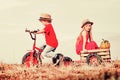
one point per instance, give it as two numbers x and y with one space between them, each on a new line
67 61
26 59
38 56
93 59
57 59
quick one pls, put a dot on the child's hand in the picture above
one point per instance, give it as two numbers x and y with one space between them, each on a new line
84 51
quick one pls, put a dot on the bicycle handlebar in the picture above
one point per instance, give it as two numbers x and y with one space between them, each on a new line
27 30
30 32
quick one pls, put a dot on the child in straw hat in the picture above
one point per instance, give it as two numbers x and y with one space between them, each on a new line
50 36
85 40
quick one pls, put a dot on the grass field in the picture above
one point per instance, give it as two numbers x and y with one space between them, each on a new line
75 71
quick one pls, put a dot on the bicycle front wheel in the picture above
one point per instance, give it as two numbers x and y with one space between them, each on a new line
27 59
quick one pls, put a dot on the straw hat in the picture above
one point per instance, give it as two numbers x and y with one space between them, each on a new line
45 16
86 22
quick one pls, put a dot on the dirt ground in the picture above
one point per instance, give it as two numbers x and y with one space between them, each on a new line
75 71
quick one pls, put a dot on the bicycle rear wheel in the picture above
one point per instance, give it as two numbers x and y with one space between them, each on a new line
57 59
67 61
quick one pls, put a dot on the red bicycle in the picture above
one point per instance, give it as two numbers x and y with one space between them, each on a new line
33 57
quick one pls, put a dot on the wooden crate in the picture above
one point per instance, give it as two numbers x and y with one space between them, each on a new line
103 53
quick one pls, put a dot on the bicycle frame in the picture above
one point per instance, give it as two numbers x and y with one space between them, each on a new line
34 48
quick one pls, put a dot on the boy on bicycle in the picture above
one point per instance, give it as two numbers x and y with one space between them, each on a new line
50 36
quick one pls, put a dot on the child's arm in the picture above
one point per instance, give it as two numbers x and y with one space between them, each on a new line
84 40
40 31
78 40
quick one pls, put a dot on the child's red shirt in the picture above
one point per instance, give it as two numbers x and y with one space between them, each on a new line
50 36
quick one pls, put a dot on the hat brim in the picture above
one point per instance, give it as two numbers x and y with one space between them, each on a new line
87 23
43 18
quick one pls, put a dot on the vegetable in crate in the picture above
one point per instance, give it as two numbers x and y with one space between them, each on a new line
105 44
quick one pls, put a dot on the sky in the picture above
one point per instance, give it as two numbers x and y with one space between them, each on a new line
67 15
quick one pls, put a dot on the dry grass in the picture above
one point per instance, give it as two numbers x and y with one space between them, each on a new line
76 71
